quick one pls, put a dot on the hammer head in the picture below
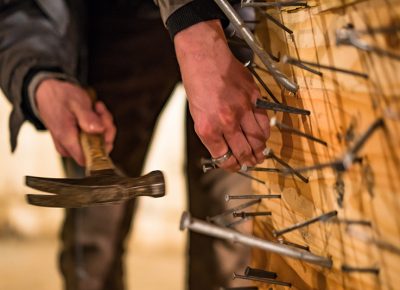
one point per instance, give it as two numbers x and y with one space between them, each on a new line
103 187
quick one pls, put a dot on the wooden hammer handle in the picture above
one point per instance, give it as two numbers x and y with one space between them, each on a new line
94 148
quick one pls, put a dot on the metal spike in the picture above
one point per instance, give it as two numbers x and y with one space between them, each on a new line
218 218
251 196
350 269
263 104
244 214
264 280
297 226
259 273
252 3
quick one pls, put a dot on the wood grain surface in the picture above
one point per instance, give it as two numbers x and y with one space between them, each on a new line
342 108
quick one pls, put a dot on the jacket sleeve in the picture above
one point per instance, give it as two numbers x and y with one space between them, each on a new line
33 37
180 14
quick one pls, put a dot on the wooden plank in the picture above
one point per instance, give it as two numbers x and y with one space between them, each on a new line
342 108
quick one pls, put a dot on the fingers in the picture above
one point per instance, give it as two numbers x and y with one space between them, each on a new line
216 145
87 119
255 136
240 146
107 120
263 121
68 145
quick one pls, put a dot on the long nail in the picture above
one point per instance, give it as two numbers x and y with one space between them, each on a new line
259 273
275 123
351 154
351 222
275 21
320 218
209 229
284 242
335 165
219 217
268 153
260 80
252 3
244 214
264 280
348 36
250 39
350 269
229 197
263 104
303 64
246 168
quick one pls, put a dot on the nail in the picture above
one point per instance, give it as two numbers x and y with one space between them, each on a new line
275 123
249 66
229 197
299 64
349 269
265 280
351 222
244 214
275 21
320 218
350 155
268 153
284 242
303 64
248 36
246 168
252 3
209 229
230 211
259 273
335 165
263 104
349 36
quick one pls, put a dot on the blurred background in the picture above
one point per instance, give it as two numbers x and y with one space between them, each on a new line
29 235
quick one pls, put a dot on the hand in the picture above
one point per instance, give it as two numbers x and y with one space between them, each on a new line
65 109
221 94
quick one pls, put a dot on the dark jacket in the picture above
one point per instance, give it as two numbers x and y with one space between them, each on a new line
44 35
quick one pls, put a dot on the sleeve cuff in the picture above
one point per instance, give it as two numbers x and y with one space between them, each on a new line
192 13
31 84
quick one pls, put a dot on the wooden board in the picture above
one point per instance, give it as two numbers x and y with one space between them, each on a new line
342 108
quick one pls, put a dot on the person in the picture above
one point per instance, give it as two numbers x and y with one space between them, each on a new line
51 49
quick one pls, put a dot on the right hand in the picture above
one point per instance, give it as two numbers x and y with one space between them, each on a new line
65 110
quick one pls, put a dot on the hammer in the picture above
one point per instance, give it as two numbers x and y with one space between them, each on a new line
103 183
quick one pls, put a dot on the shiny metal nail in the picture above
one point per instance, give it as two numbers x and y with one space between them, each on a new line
259 273
350 222
275 21
304 64
248 36
264 280
249 66
212 230
297 226
350 269
266 105
245 214
229 197
246 168
282 241
349 36
252 3
335 165
218 219
268 153
281 126
295 62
